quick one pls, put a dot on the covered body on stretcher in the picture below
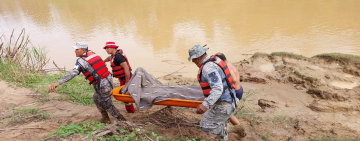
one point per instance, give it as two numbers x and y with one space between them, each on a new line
169 102
145 90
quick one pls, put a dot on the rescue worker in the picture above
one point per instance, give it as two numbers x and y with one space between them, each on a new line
216 82
120 67
238 128
94 69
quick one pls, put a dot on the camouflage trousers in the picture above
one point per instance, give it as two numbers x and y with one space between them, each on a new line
102 98
215 120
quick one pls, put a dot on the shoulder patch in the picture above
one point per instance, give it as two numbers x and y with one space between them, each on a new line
77 66
213 77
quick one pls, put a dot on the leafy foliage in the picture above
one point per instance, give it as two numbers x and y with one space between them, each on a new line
80 128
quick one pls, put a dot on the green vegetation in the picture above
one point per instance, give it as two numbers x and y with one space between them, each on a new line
339 57
282 54
28 59
244 111
244 100
78 90
10 106
250 114
260 54
87 128
23 66
288 54
23 115
152 136
5 117
80 128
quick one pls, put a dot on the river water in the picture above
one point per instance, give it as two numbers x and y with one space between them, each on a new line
156 34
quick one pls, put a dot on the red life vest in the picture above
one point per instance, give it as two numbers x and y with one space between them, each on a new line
205 85
118 71
98 65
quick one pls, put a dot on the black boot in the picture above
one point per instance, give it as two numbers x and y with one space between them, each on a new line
105 117
121 118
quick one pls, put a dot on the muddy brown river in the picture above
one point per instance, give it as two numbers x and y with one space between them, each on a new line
156 34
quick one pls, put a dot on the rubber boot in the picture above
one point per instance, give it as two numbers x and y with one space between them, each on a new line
105 117
129 108
121 118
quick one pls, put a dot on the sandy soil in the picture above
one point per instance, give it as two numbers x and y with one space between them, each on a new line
297 99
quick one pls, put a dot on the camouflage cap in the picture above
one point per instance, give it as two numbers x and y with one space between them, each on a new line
196 51
80 45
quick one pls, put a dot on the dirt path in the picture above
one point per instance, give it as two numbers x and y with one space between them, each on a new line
301 101
61 113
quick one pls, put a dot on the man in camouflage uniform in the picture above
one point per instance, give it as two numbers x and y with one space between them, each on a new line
102 96
219 105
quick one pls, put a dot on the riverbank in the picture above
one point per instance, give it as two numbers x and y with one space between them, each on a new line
294 96
321 100
286 96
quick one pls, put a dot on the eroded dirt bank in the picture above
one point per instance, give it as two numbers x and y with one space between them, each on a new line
298 97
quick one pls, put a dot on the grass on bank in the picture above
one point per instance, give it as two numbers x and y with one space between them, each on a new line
281 54
288 54
22 64
87 128
29 114
78 90
339 57
260 54
244 111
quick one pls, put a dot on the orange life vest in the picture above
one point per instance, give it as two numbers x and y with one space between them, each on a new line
98 65
118 71
205 85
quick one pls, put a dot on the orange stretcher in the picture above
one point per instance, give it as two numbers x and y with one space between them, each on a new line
170 102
